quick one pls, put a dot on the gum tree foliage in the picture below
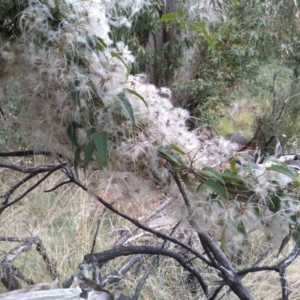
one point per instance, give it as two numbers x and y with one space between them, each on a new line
77 99
221 49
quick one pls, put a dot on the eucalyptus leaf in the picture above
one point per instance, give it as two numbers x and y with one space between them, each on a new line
119 57
100 141
212 173
121 97
90 148
137 95
216 187
77 160
284 170
71 131
242 229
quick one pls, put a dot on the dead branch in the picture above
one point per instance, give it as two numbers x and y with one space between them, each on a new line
217 257
23 153
8 270
55 167
105 256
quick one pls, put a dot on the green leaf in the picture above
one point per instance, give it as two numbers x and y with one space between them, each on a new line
223 241
241 229
77 160
296 234
96 42
118 56
284 170
167 17
126 106
173 159
275 203
257 211
69 58
212 173
100 140
177 149
90 132
71 131
75 93
88 153
233 167
232 177
138 95
209 38
215 187
193 28
180 13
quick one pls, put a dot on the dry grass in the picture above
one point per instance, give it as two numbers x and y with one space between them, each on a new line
66 220
242 121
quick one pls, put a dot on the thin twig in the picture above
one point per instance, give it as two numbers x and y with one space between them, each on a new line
97 230
3 207
57 186
7 195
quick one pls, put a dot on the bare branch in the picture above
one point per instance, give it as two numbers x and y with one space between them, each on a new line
22 153
105 256
36 170
138 224
7 195
3 207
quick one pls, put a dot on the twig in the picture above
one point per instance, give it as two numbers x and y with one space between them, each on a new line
3 207
138 224
282 266
260 258
97 230
29 153
36 170
213 250
7 195
57 186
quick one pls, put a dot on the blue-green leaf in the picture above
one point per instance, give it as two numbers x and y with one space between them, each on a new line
275 203
216 187
296 234
71 131
96 42
77 160
100 140
75 93
241 229
88 153
173 159
121 97
212 173
90 132
284 170
118 56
